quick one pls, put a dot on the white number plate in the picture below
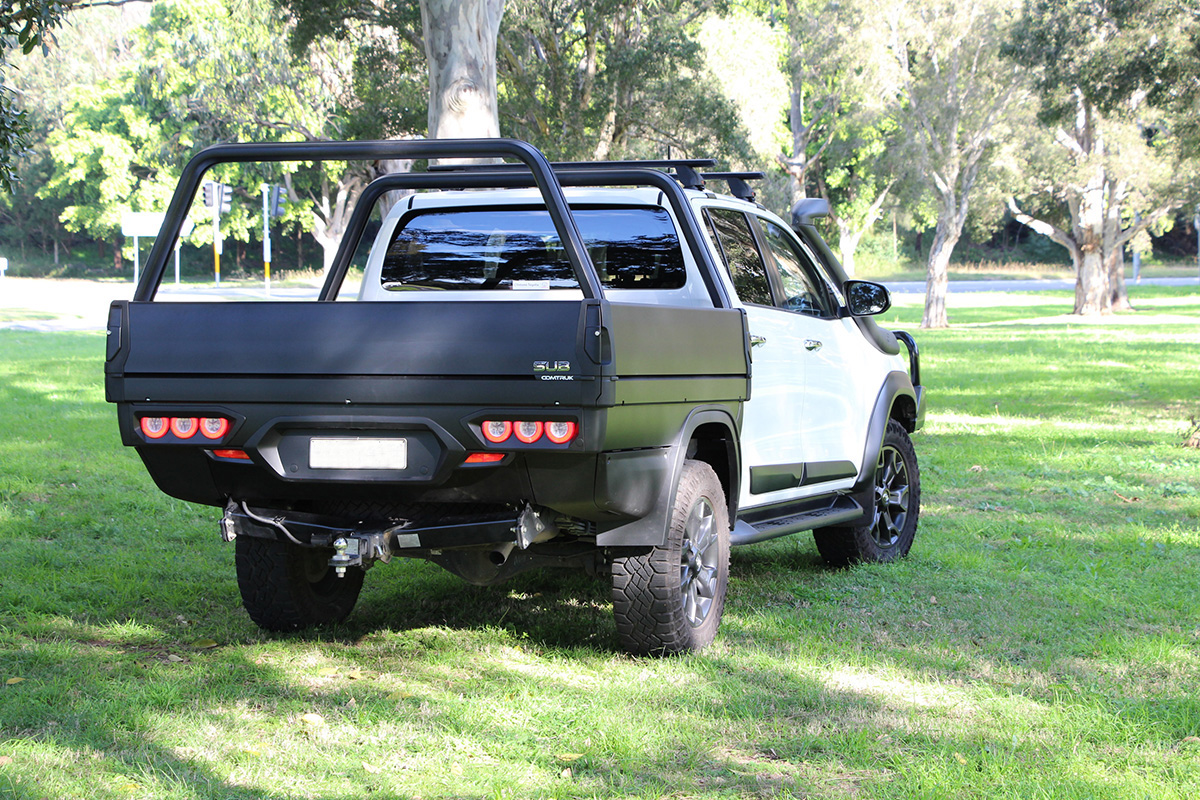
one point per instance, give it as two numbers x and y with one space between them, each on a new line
345 453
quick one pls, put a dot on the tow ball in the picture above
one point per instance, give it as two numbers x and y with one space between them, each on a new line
359 550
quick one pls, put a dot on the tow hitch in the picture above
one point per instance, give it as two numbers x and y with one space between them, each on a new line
356 547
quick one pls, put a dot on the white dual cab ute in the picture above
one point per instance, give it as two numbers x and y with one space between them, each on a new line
605 366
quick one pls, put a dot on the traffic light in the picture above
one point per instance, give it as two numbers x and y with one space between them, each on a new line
277 200
218 193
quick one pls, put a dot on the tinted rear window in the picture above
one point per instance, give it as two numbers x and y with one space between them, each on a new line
518 248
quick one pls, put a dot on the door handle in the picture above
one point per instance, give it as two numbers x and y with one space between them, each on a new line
755 341
812 344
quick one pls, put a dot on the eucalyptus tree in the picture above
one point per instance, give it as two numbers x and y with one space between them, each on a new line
861 167
611 79
836 68
1119 166
955 88
452 42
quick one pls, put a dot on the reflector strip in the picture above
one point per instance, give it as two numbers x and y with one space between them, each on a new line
240 455
484 458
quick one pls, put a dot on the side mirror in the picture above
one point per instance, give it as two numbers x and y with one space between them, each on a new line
866 299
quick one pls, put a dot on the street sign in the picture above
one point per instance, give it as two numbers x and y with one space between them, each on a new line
141 223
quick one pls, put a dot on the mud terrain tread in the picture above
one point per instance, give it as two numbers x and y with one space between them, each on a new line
647 602
275 580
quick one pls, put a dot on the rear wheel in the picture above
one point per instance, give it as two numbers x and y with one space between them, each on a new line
670 600
286 587
897 505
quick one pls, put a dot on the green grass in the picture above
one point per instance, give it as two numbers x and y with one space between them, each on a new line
1042 640
910 269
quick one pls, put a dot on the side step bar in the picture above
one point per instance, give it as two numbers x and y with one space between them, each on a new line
840 510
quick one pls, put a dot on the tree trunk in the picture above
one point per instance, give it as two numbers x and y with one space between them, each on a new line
848 240
460 46
1091 280
1118 293
937 277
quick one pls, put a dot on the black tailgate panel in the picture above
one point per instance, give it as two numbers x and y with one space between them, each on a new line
411 339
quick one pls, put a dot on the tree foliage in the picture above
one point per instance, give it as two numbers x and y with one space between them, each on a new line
1118 167
956 90
27 23
599 79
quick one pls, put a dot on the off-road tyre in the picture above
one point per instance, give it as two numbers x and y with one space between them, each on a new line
670 599
286 587
896 510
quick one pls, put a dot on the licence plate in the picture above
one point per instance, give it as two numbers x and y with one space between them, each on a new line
346 453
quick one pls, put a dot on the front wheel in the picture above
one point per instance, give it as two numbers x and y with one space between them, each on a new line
670 600
897 505
286 587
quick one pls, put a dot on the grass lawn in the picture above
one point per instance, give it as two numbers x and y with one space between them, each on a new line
1041 641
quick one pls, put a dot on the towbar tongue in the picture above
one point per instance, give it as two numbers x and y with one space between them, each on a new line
360 547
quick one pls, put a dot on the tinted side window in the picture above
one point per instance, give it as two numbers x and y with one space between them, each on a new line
803 289
518 248
731 229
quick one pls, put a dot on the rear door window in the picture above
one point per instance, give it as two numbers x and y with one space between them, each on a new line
732 232
519 249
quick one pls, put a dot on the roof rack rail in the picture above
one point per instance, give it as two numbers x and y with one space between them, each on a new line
737 182
686 169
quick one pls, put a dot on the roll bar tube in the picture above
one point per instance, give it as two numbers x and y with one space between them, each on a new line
506 179
541 174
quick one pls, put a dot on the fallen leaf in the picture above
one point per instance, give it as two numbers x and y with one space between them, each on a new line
371 768
960 758
1195 739
204 644
5 761
174 659
316 720
933 600
566 773
570 756
456 768
977 468
327 672
351 703
14 681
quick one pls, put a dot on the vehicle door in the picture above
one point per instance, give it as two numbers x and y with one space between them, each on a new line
790 310
837 399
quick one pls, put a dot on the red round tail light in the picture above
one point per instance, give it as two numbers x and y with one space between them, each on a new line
155 427
560 432
527 431
497 431
184 427
214 427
